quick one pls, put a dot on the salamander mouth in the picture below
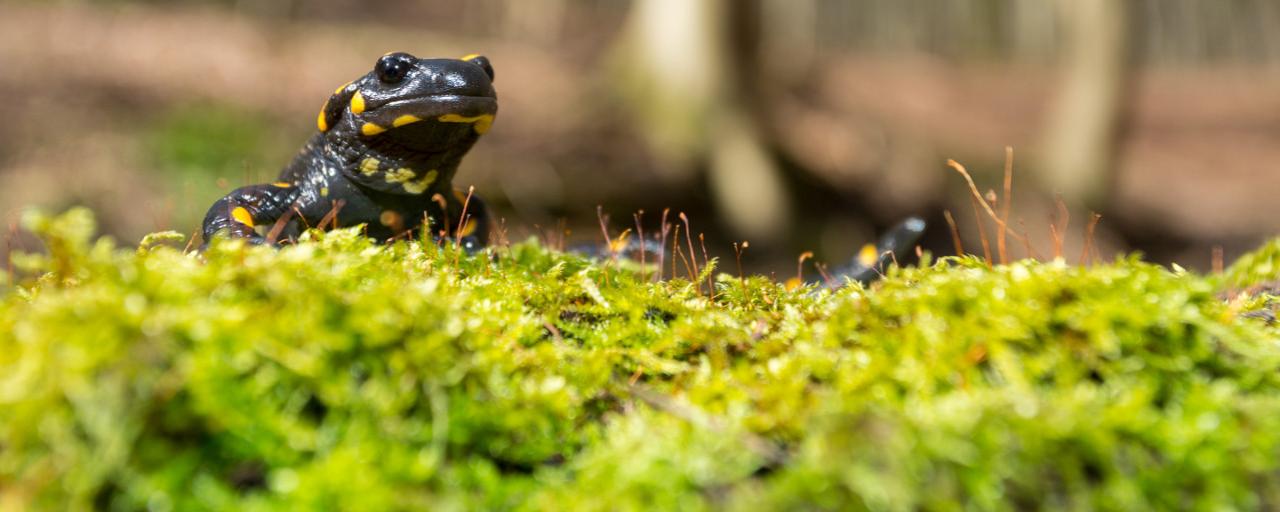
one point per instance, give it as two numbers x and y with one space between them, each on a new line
477 111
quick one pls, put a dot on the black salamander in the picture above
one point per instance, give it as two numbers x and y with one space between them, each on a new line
386 149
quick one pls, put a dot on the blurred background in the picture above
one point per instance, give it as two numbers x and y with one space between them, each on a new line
799 125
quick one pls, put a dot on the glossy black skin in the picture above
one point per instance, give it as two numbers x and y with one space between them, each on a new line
894 247
390 180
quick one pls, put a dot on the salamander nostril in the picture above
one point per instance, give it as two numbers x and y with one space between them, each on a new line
483 62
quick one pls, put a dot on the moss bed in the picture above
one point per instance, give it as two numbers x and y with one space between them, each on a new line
337 374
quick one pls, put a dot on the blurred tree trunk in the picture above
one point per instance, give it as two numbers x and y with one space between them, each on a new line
1085 121
689 70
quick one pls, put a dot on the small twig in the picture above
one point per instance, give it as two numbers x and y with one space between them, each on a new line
955 232
688 235
675 250
462 217
973 189
190 243
500 234
822 271
604 230
305 225
711 285
278 226
982 230
662 248
1216 260
1088 238
800 265
1059 249
1026 244
1057 240
443 204
608 242
644 269
331 217
737 251
1006 203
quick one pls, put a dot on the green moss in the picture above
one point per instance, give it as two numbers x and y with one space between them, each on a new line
1260 267
339 374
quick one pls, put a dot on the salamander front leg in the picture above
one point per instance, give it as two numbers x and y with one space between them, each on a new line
238 213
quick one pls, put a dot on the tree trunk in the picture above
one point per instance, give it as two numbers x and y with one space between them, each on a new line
687 69
1085 121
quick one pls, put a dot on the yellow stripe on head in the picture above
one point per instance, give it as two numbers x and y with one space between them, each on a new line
282 184
405 119
481 122
320 122
241 215
469 56
357 103
341 87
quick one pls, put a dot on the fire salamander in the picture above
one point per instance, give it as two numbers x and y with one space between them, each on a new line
384 156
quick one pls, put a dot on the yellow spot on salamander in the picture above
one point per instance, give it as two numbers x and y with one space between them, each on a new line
369 166
282 184
389 218
371 129
420 185
481 122
242 216
405 119
469 56
320 123
469 228
324 191
357 103
868 255
401 175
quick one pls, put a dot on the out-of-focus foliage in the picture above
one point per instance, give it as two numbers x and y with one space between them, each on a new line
1261 266
340 374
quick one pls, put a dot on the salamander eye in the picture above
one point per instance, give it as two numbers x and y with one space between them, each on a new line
393 67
